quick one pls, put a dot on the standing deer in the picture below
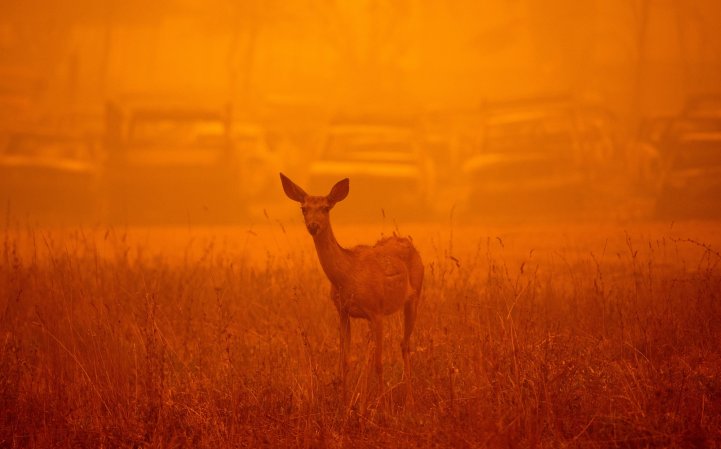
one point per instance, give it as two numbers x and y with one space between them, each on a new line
366 282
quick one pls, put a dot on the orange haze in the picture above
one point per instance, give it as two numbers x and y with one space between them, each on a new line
528 108
555 163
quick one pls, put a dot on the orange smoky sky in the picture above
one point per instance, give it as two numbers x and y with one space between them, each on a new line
286 70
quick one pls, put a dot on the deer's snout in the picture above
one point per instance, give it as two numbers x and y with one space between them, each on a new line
313 228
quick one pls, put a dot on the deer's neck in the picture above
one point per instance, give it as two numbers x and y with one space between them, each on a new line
335 260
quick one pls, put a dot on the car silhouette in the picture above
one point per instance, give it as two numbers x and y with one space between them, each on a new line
546 159
50 177
386 165
174 164
689 149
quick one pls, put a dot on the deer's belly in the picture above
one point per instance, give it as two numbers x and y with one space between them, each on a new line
385 302
357 312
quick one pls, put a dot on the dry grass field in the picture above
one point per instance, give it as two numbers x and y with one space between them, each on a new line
527 336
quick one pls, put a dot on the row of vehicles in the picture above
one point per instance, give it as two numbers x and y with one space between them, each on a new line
178 164
149 165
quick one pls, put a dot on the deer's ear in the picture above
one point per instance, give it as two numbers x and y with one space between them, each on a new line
339 191
292 190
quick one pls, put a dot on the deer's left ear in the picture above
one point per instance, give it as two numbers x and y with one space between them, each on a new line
339 191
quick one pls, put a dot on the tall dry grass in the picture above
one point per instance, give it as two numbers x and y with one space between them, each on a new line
551 341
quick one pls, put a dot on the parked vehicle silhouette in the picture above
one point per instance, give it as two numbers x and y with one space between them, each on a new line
171 164
51 177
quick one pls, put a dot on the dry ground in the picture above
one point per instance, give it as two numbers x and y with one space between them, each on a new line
528 336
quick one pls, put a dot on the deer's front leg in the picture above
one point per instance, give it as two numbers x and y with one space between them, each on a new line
344 351
377 330
344 331
409 313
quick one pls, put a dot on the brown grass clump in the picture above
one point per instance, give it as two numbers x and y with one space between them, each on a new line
106 341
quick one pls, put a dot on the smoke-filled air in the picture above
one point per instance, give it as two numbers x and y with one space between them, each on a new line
363 223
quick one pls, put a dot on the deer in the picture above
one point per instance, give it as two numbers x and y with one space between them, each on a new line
367 282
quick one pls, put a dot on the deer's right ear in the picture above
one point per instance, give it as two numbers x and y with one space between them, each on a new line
290 188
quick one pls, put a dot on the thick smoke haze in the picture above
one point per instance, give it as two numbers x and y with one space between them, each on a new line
587 87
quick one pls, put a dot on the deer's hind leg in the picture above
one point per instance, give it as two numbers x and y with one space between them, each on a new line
409 315
376 324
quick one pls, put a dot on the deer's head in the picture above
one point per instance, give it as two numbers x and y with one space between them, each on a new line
316 209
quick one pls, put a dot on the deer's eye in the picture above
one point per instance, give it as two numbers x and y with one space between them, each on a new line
326 209
304 209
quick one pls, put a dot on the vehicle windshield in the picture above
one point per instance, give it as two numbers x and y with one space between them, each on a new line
698 151
683 127
532 134
705 107
370 146
177 132
49 148
247 143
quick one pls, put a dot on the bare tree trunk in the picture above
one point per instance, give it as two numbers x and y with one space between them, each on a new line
107 46
240 66
683 51
641 10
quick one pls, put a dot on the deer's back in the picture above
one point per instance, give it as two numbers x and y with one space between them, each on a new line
386 275
398 254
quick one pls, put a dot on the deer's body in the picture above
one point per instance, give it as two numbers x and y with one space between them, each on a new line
371 281
367 282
